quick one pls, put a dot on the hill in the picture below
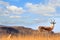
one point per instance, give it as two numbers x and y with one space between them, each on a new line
23 33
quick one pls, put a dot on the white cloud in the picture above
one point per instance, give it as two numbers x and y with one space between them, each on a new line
15 16
54 2
47 9
15 9
4 3
3 10
40 8
6 9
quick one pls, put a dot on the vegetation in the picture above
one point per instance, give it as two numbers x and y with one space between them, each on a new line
22 33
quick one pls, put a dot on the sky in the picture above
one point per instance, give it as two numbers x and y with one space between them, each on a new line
30 13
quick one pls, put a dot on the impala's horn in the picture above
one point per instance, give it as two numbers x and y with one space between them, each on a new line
52 22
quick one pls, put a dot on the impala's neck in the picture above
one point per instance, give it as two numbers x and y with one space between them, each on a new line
52 26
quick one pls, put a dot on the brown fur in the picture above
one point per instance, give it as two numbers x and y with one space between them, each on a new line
50 28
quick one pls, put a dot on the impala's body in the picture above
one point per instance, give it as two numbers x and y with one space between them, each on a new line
50 28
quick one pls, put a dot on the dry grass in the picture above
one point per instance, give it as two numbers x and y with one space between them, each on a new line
31 37
29 34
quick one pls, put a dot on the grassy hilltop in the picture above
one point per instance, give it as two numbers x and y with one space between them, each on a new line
23 33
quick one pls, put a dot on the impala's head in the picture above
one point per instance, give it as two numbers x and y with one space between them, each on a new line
53 22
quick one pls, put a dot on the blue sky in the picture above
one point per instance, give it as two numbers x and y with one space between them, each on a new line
30 13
